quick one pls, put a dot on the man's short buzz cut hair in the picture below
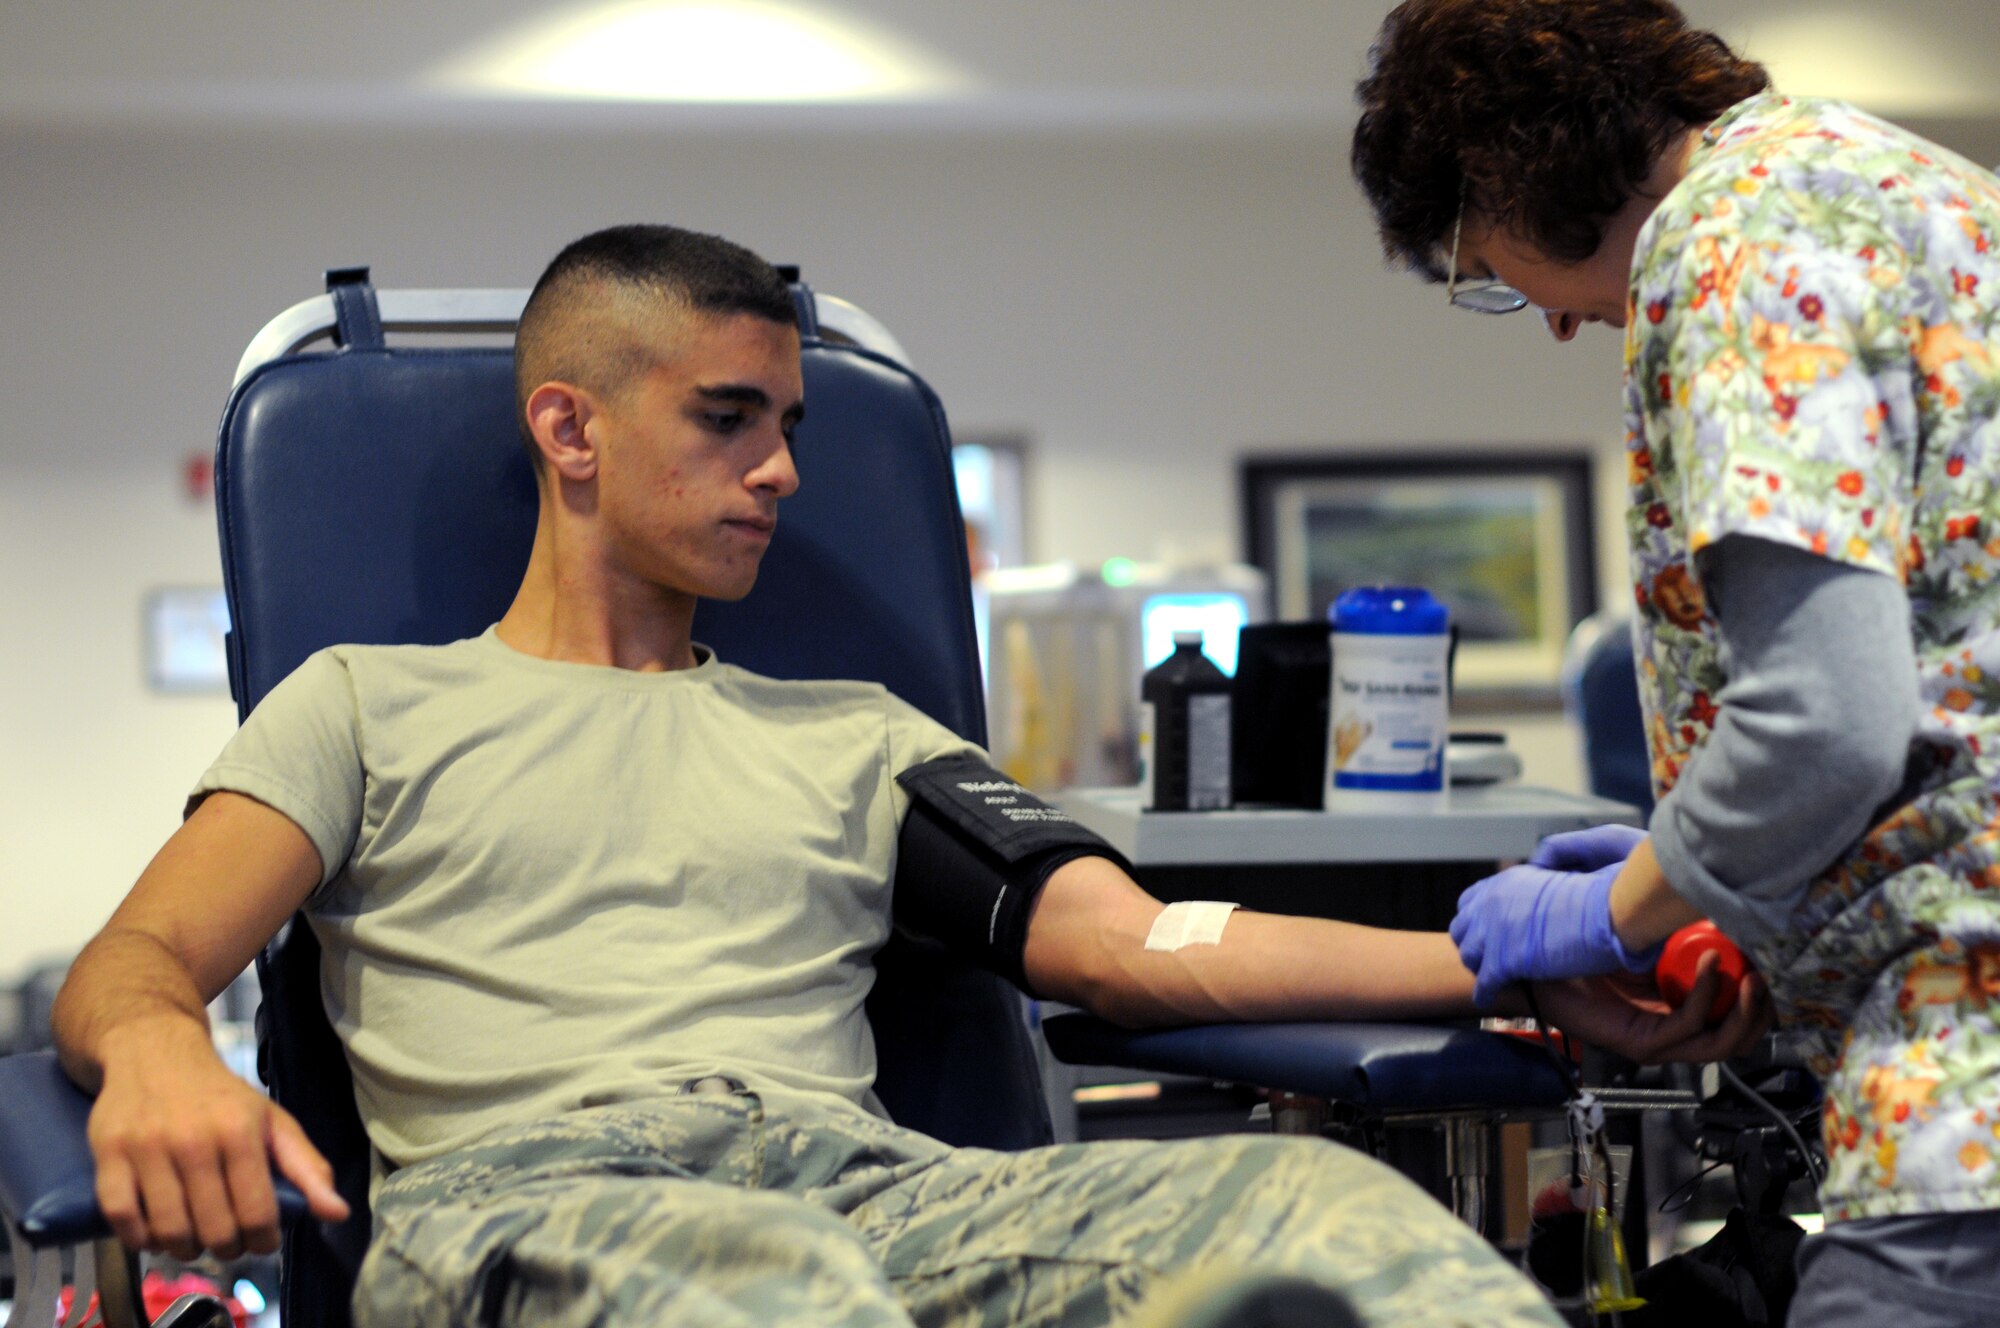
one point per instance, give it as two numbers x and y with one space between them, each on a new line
579 323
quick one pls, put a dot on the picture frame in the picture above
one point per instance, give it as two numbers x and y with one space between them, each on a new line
186 630
991 472
1507 541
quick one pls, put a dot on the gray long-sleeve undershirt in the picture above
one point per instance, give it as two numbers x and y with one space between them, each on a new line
1813 734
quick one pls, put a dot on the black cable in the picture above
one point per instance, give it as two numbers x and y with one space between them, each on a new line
1683 1194
1572 1074
1784 1123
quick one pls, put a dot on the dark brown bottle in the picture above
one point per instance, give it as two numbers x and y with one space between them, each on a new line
1184 732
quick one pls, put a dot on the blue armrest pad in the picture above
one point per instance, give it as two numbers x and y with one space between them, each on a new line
48 1183
1389 1068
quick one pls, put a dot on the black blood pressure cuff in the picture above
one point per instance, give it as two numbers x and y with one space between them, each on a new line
976 849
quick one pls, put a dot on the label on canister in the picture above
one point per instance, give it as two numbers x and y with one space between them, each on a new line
1390 717
1149 766
1208 752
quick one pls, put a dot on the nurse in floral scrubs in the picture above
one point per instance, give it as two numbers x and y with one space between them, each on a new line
1811 305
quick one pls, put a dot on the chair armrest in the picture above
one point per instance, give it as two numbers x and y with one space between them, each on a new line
1390 1069
48 1181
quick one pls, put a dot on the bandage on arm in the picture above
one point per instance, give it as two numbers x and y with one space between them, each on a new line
975 850
1190 922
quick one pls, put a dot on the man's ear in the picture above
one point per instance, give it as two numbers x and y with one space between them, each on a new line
559 415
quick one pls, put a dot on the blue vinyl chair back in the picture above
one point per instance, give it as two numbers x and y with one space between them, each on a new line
1604 695
381 495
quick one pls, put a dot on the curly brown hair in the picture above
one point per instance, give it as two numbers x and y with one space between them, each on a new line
1541 116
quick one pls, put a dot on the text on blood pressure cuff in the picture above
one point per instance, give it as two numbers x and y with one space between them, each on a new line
976 849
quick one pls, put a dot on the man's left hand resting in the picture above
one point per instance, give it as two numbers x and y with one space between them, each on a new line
1628 1016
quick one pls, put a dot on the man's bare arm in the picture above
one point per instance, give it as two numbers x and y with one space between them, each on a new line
1086 946
183 1146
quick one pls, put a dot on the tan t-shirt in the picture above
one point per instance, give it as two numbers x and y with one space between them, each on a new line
552 885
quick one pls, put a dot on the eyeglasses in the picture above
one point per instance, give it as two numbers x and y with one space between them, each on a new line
1490 296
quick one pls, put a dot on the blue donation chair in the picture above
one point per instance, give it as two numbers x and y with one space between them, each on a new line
376 494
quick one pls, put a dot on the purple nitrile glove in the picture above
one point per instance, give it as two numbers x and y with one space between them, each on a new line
1587 850
1528 923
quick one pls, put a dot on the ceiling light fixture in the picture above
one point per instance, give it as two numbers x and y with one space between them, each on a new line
1873 59
700 51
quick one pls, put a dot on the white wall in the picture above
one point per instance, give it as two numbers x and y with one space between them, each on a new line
1142 309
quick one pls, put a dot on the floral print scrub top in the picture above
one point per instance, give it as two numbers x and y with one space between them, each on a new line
1813 358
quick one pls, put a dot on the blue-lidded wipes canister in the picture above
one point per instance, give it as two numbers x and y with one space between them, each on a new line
1390 707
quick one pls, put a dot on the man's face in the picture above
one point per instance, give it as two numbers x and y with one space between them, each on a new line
694 455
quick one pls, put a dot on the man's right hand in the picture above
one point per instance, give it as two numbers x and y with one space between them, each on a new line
184 1147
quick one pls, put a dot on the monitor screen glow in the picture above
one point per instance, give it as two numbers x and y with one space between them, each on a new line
1218 615
185 632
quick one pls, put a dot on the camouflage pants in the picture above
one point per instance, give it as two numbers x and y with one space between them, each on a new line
761 1209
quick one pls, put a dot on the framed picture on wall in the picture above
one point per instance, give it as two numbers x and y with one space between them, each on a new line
186 630
1504 540
992 475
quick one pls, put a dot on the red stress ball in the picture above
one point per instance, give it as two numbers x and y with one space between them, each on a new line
1683 950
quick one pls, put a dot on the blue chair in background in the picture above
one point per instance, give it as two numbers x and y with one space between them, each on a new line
1600 687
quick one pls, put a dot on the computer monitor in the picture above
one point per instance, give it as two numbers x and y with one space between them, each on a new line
1066 647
